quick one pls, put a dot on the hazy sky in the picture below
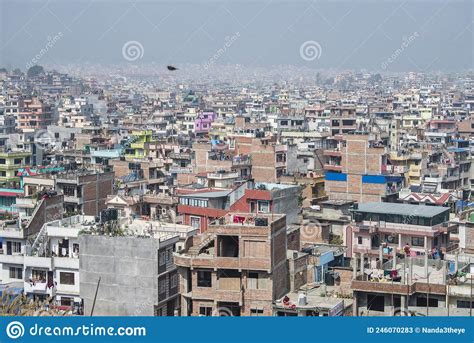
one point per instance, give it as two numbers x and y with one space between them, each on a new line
411 35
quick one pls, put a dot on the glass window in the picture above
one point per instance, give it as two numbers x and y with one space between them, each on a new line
205 311
417 241
66 278
263 207
255 312
16 273
204 278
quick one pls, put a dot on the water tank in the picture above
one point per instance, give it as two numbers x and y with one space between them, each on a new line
302 300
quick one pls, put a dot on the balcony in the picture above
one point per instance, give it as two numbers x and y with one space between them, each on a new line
332 167
222 176
281 148
160 199
216 294
38 287
38 262
281 164
73 199
212 262
333 152
66 262
11 259
241 161
138 145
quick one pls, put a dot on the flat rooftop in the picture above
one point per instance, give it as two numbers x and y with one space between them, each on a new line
247 219
401 209
314 300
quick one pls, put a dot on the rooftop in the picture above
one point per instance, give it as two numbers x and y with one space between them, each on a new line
401 209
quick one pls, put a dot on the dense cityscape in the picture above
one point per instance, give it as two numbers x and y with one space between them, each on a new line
159 190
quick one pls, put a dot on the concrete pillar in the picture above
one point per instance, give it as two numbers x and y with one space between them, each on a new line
354 266
399 241
355 305
403 272
444 271
403 305
152 211
426 262
362 258
410 270
380 257
394 259
456 261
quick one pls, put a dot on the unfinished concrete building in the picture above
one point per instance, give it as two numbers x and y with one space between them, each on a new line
236 268
133 273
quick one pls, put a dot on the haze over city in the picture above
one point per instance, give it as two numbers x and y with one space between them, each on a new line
428 35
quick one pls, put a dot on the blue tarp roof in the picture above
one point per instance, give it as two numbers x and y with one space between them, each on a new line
11 290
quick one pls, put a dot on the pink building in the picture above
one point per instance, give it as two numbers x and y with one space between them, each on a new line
202 124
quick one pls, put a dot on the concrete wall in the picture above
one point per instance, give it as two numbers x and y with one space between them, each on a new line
128 268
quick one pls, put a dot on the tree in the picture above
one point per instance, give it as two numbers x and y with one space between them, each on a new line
35 71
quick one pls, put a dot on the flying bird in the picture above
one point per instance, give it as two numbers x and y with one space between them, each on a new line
171 68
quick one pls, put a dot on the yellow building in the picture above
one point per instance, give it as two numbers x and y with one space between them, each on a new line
10 162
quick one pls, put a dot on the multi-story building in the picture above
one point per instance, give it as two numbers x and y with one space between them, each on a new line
85 192
379 229
34 114
412 286
236 268
343 119
131 268
359 169
199 207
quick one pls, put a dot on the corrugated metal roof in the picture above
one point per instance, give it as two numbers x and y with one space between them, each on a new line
216 194
402 209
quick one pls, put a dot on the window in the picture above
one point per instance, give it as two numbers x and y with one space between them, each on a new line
359 240
69 190
205 311
17 161
66 278
391 238
255 312
16 247
66 301
16 273
465 304
204 278
162 257
174 281
257 281
417 241
263 207
38 275
421 302
375 302
162 286
196 222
